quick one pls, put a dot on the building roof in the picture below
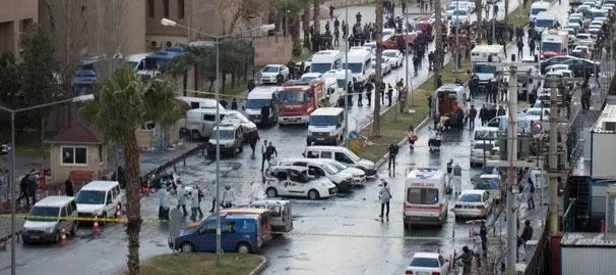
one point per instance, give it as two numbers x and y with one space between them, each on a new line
79 133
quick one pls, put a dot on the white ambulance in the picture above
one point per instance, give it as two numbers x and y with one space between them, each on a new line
425 200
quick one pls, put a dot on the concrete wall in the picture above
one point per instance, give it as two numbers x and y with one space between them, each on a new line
15 17
60 172
272 49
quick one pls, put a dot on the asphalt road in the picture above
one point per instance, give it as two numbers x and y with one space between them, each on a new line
342 235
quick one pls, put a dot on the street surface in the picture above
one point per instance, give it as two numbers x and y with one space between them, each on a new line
342 235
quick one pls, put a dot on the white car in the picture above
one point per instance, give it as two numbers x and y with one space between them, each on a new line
307 77
294 181
557 67
479 148
385 65
427 263
270 73
473 204
595 24
460 16
388 32
359 176
535 113
235 117
397 57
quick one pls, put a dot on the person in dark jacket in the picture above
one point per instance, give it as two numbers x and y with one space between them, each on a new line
253 139
234 104
369 87
472 114
251 85
393 151
265 113
483 115
390 94
68 188
501 111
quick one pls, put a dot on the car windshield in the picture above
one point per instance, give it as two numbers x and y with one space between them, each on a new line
551 47
536 11
422 195
320 67
484 69
533 112
484 134
481 146
544 23
460 12
424 262
355 67
470 198
389 54
257 103
322 121
487 183
293 97
271 69
224 134
39 214
90 197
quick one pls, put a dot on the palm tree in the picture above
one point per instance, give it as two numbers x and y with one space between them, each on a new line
316 9
123 103
378 25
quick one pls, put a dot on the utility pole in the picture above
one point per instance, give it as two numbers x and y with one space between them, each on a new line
346 73
376 125
553 161
512 173
438 51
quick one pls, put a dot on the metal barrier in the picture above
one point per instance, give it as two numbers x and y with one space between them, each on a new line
537 264
569 217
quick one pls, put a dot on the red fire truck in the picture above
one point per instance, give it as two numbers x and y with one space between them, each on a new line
298 100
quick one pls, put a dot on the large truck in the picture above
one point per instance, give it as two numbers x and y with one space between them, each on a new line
485 59
298 100
554 43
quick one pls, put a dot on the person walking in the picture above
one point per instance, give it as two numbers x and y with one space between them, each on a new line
270 150
477 248
529 191
194 203
382 89
263 149
472 114
483 232
182 195
467 260
384 198
68 188
200 196
253 139
24 186
234 104
527 234
393 151
390 94
457 177
164 203
483 115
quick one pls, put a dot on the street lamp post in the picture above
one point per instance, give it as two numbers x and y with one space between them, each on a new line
346 73
12 160
264 28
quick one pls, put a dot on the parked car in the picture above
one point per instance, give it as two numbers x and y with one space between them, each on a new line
473 204
427 263
235 117
554 60
397 57
271 72
294 181
582 67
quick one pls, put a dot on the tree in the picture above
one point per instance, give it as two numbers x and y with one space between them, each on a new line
438 37
376 125
231 11
9 80
306 25
123 103
292 9
316 13
65 23
479 10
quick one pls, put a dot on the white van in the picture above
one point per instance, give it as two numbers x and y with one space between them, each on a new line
340 76
332 91
99 198
294 181
425 198
200 103
326 126
326 60
257 98
281 216
200 122
136 61
320 168
544 20
536 8
340 154
485 133
360 65
492 184
48 217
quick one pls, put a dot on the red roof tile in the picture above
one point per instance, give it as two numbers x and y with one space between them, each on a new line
79 133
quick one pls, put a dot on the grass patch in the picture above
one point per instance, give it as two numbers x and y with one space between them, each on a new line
519 16
395 125
199 263
302 57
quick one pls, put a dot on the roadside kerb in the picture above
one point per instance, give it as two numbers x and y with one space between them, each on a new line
261 267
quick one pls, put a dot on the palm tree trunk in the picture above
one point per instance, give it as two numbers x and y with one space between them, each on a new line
133 205
316 6
306 26
376 125
479 10
438 53
294 31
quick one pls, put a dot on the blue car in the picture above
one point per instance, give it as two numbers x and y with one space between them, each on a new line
240 233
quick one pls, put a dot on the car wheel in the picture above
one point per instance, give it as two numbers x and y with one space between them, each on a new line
58 237
195 135
243 248
313 194
271 192
187 248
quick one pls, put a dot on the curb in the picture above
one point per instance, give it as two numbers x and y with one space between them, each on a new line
261 267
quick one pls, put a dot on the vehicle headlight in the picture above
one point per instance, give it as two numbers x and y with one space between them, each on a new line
49 230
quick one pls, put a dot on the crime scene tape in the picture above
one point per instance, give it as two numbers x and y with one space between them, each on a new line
288 234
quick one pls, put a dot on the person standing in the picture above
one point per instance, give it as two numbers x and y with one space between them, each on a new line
68 188
253 139
200 197
265 114
270 150
369 87
194 204
457 176
181 195
384 198
477 248
234 104
164 203
472 114
350 94
393 151
467 260
483 232
527 234
483 115
382 91
390 94
263 149
228 197
528 193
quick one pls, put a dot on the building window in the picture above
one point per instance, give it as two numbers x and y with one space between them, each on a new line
151 8
181 9
166 8
74 155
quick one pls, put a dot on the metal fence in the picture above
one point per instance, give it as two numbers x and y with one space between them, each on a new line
569 216
537 264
